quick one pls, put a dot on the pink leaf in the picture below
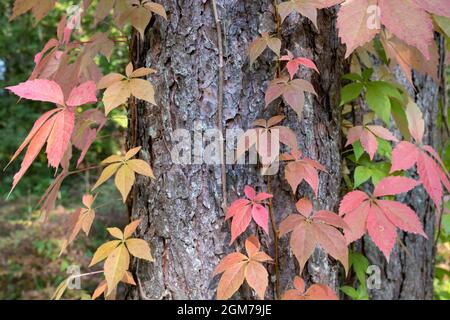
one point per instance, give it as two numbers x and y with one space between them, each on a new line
39 90
249 192
381 230
382 133
262 196
330 218
430 175
261 217
240 223
59 138
404 156
394 185
304 206
351 201
83 94
409 23
356 220
35 146
402 216
369 143
352 22
37 125
437 7
354 134
236 207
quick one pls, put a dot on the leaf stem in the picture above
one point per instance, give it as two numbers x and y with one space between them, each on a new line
275 233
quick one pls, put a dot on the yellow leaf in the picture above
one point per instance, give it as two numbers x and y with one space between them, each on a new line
104 251
115 267
142 72
124 181
128 278
139 248
142 89
106 174
141 167
129 69
115 232
129 229
60 290
156 8
87 218
112 159
116 95
109 80
99 290
131 153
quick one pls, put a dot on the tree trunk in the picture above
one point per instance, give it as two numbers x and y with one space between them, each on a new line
181 209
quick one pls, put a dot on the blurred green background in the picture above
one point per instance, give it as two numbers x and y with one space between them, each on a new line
30 267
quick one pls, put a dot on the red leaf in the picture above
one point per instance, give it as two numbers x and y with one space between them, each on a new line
37 125
394 185
242 211
430 175
249 192
356 220
381 230
351 201
318 230
331 219
59 138
240 222
261 216
402 216
35 146
332 241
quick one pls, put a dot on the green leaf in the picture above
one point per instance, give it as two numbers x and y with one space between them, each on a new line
351 292
367 73
380 171
350 92
361 175
359 264
399 115
443 23
378 101
352 77
358 150
446 224
380 51
384 148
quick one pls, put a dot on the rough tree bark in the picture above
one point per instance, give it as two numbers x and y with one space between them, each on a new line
181 210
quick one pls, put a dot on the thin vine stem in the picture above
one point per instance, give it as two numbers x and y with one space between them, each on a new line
276 237
271 211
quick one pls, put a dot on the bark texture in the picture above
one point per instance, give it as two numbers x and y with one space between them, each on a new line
181 210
